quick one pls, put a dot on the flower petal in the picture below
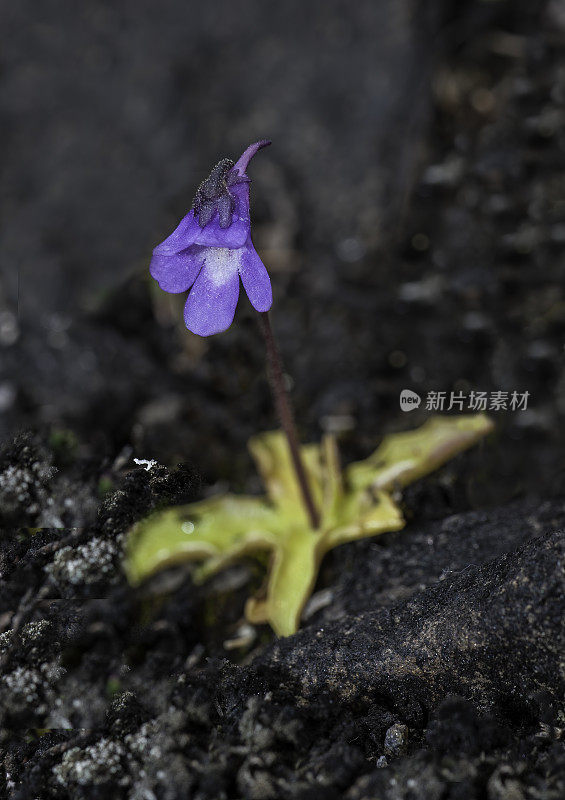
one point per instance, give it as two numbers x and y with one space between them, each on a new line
182 237
255 278
177 272
210 306
212 235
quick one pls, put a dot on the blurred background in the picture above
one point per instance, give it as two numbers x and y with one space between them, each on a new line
411 211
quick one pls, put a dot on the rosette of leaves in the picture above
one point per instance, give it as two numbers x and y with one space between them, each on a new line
354 503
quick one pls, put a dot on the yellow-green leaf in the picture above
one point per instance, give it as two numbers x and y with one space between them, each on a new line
404 457
271 454
361 515
217 531
292 576
214 530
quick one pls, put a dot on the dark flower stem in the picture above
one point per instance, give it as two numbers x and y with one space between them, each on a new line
286 417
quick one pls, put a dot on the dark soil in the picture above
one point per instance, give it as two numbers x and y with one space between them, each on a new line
412 214
434 668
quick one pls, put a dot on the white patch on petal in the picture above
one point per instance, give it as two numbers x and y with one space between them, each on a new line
221 263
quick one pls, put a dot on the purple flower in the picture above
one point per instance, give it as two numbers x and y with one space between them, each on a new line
211 250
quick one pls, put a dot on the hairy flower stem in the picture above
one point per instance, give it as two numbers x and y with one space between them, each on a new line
286 417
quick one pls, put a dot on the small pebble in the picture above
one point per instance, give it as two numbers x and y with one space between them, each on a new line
396 739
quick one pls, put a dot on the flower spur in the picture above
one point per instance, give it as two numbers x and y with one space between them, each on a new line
211 249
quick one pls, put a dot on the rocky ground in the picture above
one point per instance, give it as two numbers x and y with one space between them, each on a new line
414 230
432 665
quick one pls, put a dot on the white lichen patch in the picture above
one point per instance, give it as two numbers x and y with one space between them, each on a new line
31 688
34 631
24 685
16 485
87 563
6 640
92 765
143 742
52 671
